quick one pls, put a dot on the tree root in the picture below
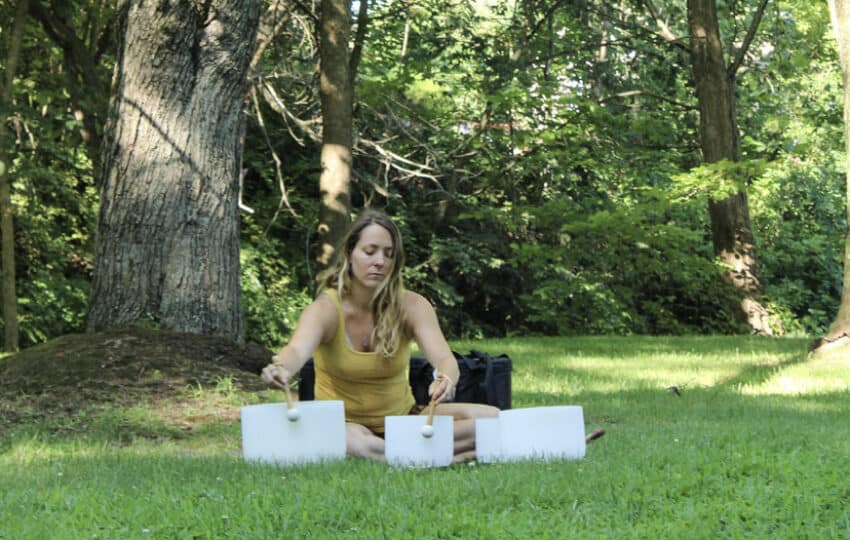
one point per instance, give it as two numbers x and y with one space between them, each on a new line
829 343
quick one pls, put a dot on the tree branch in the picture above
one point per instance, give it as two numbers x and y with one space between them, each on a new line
284 199
270 26
402 164
359 38
272 99
630 93
80 58
663 30
90 94
546 17
748 39
306 10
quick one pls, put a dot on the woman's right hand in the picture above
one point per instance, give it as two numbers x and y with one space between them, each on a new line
276 375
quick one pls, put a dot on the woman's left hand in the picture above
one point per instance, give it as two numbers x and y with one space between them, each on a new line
442 389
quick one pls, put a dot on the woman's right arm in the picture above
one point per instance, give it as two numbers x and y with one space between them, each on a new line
316 325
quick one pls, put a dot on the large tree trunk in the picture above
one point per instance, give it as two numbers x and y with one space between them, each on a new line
731 229
7 226
336 93
839 332
167 248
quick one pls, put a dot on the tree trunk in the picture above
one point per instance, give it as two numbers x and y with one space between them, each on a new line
336 94
167 247
840 12
7 226
731 229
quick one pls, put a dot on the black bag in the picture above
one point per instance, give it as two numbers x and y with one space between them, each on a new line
421 375
306 382
483 379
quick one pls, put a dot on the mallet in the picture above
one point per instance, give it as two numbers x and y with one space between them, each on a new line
428 428
594 435
292 413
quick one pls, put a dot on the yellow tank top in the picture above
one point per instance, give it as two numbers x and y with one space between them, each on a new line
371 387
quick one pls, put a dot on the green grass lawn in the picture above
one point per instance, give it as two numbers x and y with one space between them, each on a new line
756 446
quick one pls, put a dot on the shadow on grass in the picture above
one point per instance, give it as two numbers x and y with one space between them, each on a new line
645 407
755 374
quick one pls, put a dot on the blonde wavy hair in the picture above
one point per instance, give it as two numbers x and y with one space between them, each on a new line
386 302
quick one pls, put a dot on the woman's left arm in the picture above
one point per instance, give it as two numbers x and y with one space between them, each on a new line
425 328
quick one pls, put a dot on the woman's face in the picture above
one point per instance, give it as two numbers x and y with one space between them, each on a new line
373 256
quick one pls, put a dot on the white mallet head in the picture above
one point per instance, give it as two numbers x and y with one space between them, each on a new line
293 415
427 431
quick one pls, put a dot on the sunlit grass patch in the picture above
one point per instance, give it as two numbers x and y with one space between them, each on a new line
817 375
569 367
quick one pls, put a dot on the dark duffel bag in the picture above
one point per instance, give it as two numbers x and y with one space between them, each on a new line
483 379
306 382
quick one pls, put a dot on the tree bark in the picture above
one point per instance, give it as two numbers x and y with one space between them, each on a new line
7 225
732 233
167 247
336 96
840 12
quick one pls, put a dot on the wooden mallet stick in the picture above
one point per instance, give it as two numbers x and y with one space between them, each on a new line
428 428
594 435
291 412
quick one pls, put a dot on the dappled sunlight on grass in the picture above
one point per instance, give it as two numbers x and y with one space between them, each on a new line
603 365
812 377
27 450
794 385
34 449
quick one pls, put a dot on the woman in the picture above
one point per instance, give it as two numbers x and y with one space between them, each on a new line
359 330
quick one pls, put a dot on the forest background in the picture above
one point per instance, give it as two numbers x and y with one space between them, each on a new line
543 160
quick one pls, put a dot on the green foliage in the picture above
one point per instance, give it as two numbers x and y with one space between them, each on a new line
798 203
51 305
801 224
717 181
54 207
473 277
632 270
559 187
271 299
53 195
578 207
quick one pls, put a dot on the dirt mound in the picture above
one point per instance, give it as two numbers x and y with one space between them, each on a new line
122 367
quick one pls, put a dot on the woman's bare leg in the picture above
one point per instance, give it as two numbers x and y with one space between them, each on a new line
360 442
464 415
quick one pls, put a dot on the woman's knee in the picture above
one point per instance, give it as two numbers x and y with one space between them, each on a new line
487 411
477 410
468 411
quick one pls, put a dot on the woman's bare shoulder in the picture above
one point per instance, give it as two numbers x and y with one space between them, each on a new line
325 300
414 299
415 305
322 313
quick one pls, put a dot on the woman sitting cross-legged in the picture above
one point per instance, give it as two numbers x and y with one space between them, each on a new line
359 330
